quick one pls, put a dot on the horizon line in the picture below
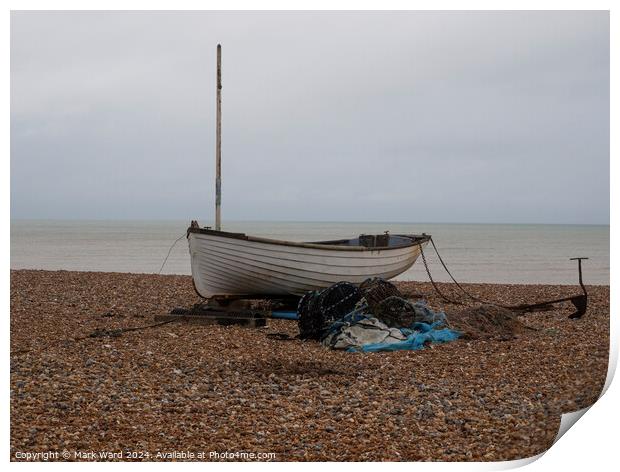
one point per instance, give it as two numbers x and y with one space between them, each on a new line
310 221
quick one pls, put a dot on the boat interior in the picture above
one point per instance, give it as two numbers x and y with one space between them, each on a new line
372 241
377 240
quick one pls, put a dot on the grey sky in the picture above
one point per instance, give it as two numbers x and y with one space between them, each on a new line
419 116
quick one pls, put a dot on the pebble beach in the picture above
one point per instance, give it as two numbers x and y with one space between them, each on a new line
159 391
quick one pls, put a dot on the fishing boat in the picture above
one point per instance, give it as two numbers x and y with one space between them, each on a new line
235 264
226 263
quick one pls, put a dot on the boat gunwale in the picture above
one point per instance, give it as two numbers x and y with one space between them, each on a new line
414 240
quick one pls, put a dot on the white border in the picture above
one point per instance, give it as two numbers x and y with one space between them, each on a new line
592 445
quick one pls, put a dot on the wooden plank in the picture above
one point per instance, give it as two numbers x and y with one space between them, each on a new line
215 319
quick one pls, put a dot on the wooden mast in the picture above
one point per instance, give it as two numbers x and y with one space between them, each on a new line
218 142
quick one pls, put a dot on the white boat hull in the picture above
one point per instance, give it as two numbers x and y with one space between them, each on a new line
233 266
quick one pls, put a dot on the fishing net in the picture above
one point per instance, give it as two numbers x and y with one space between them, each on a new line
308 324
373 317
362 331
318 310
376 289
397 312
487 322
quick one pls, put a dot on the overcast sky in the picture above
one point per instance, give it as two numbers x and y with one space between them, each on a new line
416 117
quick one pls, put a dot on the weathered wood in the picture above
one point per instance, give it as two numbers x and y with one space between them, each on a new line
218 141
217 318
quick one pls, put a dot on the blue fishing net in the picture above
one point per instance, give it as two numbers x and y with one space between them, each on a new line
374 317
419 335
433 329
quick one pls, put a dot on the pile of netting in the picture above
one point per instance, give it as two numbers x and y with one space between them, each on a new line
372 317
488 322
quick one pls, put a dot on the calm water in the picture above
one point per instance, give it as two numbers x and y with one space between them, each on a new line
474 253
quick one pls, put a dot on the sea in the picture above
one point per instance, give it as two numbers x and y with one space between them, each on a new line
487 253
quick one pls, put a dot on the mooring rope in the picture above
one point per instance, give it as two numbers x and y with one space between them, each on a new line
97 333
169 251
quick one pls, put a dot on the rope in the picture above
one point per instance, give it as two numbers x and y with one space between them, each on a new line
468 294
95 334
522 307
169 251
103 333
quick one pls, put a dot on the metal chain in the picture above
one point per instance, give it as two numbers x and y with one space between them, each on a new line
453 279
430 277
472 297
